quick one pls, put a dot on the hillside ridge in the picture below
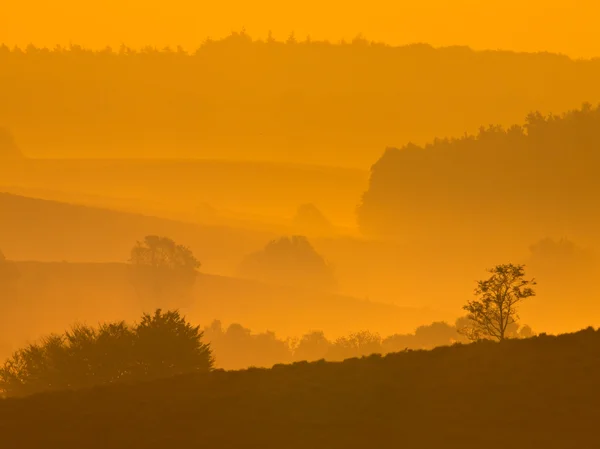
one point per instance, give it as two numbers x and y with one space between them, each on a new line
548 382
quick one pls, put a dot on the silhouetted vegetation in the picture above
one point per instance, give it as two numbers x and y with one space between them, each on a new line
495 308
307 100
236 347
160 345
163 271
502 181
233 347
289 261
541 392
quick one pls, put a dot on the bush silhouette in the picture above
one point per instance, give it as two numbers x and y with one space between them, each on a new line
161 345
291 261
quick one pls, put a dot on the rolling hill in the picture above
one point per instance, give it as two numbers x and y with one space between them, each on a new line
541 392
376 270
251 193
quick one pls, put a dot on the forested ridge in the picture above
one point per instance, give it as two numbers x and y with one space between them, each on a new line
302 100
542 176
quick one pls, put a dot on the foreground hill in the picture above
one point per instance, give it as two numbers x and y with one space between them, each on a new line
298 102
537 393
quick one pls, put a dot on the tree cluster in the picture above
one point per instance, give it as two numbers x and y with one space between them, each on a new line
499 181
163 271
289 261
162 344
237 347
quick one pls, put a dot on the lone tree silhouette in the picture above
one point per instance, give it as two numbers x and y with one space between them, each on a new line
163 270
495 309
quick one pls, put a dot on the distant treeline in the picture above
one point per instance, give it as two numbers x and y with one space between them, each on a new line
300 100
543 176
236 347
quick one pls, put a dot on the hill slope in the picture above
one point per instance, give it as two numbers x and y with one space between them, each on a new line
53 296
247 190
536 393
34 229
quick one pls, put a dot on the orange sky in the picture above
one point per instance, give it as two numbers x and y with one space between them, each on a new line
551 25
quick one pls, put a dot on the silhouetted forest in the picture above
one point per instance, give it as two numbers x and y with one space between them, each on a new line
522 181
301 101
542 392
237 347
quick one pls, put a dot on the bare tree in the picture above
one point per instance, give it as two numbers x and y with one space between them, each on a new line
495 308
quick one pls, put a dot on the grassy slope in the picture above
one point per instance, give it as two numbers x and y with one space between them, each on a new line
537 393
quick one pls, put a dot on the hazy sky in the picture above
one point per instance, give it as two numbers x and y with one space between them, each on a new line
551 25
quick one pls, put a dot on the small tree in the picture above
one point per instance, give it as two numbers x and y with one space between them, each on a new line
495 308
312 346
163 270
